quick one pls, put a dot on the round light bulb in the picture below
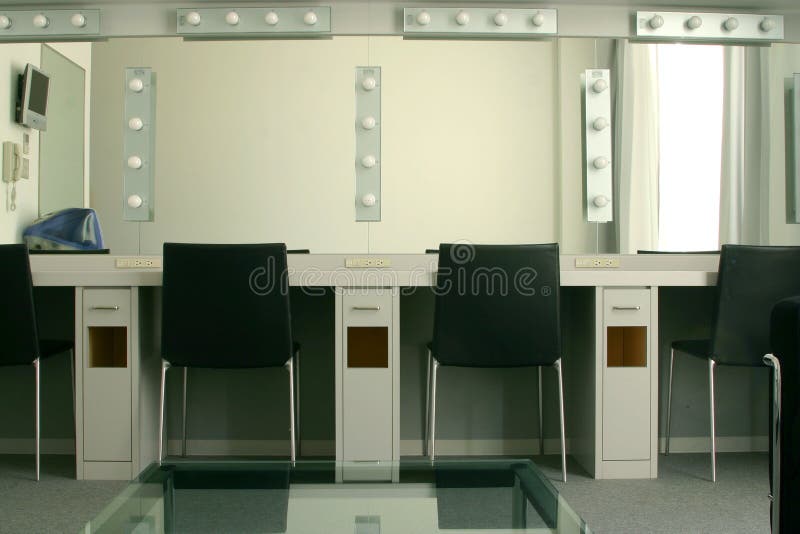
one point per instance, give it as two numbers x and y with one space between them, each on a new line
730 24
232 18
369 83
5 22
462 19
368 123
601 162
135 201
500 19
368 200
136 85
600 201
78 20
600 85
136 124
423 18
656 22
694 22
310 18
537 19
368 161
271 18
135 162
767 25
40 21
600 124
193 18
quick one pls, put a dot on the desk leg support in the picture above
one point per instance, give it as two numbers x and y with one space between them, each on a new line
164 366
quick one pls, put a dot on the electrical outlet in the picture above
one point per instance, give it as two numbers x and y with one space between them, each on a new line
138 263
597 263
363 263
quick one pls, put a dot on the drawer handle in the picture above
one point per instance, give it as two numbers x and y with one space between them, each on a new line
105 308
626 308
367 308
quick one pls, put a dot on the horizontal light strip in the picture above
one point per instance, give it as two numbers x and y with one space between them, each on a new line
472 21
712 26
254 20
49 23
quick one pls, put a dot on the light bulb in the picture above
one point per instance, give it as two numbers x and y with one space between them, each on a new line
5 22
271 18
537 19
500 19
135 162
135 201
136 85
232 18
462 18
40 21
136 124
600 124
368 123
656 22
368 161
600 162
368 200
694 22
193 18
369 83
767 25
600 201
423 18
310 18
600 85
78 20
730 24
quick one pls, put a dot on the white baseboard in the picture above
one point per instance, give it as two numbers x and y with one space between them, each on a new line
724 444
250 447
27 446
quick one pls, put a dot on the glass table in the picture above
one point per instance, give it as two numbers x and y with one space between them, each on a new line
325 497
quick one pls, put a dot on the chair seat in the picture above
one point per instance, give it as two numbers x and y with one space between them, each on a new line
700 348
51 347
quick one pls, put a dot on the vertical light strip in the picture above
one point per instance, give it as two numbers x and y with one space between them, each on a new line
597 143
138 144
368 144
794 181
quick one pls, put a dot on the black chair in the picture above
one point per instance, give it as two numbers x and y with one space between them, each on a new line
496 306
226 307
751 281
19 332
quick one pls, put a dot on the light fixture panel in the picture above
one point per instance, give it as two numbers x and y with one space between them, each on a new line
253 21
482 22
676 25
58 24
138 145
598 146
368 144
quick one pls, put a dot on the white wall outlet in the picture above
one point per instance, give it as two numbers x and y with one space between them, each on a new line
364 263
138 263
597 263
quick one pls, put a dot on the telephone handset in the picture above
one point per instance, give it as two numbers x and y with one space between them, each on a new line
14 169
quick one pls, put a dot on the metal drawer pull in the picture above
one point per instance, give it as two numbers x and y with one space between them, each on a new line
106 308
626 308
367 308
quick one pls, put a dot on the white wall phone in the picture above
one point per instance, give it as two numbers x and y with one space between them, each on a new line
15 167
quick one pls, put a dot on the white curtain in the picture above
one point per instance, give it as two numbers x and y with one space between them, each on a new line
636 146
745 148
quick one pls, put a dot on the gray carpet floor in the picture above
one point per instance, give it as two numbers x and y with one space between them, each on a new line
681 500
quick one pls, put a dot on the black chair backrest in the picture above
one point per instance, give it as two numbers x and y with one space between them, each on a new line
225 306
19 341
497 305
751 281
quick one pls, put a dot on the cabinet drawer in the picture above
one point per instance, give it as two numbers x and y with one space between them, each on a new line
626 307
367 307
110 307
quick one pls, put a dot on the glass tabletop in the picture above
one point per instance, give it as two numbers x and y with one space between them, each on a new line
325 497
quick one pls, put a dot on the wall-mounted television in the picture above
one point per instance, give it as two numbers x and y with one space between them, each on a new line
32 98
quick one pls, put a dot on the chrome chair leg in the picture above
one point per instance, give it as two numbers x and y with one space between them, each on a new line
72 384
711 365
541 422
164 366
669 401
183 411
36 415
299 443
435 368
775 437
290 367
557 365
426 446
